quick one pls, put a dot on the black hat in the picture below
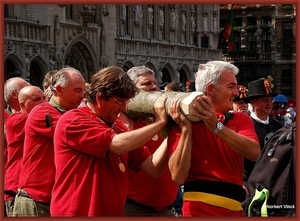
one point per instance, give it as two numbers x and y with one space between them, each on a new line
243 93
260 88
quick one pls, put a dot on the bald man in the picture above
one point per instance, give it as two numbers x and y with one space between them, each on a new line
28 97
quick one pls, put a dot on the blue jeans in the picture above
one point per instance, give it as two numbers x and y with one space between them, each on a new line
178 201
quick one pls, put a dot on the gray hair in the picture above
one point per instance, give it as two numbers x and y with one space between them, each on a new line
210 72
13 85
137 71
62 77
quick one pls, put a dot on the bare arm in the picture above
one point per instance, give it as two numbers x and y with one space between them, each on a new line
127 141
155 165
180 161
246 147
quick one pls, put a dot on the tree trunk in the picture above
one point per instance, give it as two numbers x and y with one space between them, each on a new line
142 104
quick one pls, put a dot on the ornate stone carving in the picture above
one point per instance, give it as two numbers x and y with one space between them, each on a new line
105 11
150 16
87 14
173 19
161 17
138 15
123 13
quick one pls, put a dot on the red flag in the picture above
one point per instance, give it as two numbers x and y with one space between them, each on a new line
228 31
230 45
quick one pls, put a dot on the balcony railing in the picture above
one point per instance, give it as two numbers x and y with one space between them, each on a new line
26 31
245 57
147 48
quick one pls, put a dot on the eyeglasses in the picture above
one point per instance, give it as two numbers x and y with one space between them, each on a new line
121 102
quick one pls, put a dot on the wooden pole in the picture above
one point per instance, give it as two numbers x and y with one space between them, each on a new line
142 104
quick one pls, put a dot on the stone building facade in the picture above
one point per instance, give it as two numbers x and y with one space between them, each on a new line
264 39
170 39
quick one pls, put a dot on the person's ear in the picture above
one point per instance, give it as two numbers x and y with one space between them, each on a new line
99 97
210 89
58 89
22 107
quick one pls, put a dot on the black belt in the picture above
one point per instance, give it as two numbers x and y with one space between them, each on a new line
229 190
10 193
24 194
131 201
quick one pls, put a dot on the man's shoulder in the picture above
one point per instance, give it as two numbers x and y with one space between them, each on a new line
42 106
241 116
16 116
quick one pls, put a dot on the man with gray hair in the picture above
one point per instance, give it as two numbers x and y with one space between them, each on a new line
12 88
38 170
140 202
211 166
143 77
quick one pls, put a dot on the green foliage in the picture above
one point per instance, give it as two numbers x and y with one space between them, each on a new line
237 28
266 27
287 7
251 27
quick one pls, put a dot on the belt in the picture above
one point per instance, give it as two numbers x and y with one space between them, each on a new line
224 189
10 193
214 200
221 194
131 201
23 193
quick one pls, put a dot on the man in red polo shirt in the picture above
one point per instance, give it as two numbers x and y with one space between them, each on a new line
28 97
94 150
38 169
148 196
211 164
11 90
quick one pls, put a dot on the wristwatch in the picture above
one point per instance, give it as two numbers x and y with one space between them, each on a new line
219 127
